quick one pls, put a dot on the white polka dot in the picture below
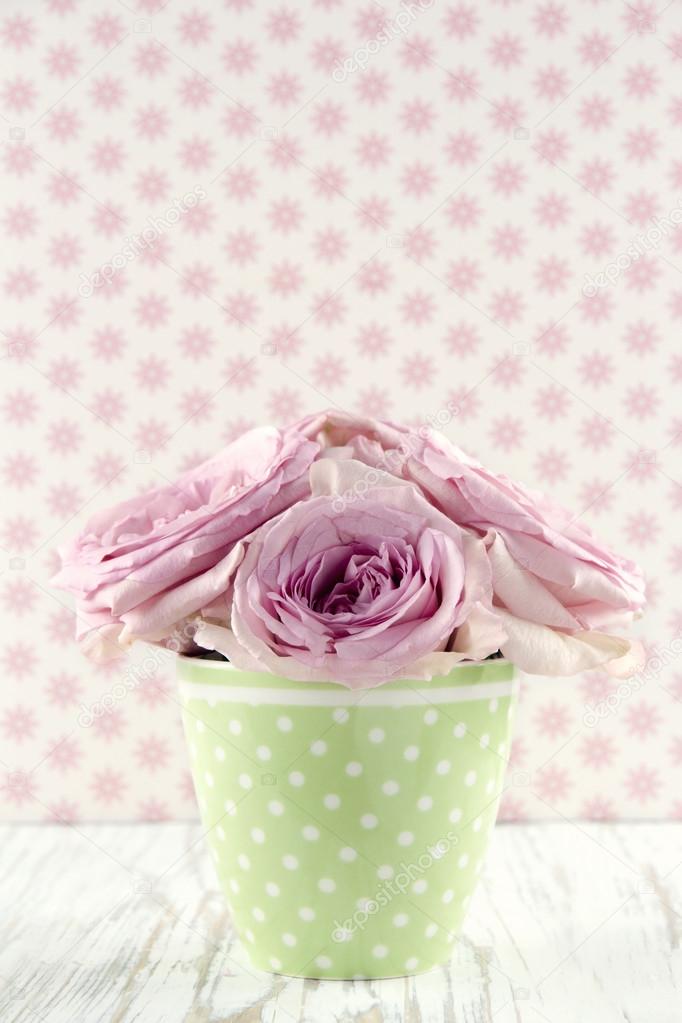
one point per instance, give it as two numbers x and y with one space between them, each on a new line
390 788
311 833
431 716
478 824
230 807
208 778
377 735
484 741
443 766
405 838
220 833
276 808
400 919
348 854
272 889
249 935
306 913
325 884
244 861
354 768
234 886
490 785
411 753
455 815
219 753
369 820
200 726
502 749
258 835
289 940
385 872
447 896
493 705
431 930
284 724
246 781
258 914
318 748
290 862
460 730
424 803
324 962
235 727
470 778
263 752
463 861
379 951
275 963
296 778
479 867
419 886
340 715
411 963
332 801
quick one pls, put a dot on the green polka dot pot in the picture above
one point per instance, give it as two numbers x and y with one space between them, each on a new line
348 828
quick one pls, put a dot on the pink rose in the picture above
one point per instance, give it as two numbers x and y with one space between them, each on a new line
386 588
138 570
558 592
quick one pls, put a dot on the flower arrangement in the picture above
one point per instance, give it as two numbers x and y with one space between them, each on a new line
352 550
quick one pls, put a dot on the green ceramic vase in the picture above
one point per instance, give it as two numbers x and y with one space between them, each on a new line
348 827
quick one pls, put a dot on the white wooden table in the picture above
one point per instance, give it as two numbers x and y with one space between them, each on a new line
572 923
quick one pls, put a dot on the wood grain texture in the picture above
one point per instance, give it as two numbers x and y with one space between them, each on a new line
572 923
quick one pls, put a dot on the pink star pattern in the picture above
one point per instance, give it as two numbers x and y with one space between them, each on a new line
409 233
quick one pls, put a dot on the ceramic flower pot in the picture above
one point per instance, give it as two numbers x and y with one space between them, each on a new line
348 827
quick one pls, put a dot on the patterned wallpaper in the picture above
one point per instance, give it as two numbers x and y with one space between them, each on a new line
221 214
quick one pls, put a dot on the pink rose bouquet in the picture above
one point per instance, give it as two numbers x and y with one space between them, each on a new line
352 550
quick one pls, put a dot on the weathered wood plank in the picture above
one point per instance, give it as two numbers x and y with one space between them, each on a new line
125 924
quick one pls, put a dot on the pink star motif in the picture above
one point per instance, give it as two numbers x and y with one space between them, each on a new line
18 95
417 116
506 51
463 276
241 308
372 86
329 309
64 754
195 27
462 85
462 148
553 719
506 433
640 17
418 52
285 339
107 156
18 159
108 786
463 339
551 83
108 343
643 274
373 340
107 29
18 32
152 753
507 306
19 407
418 179
641 145
286 215
330 245
152 374
550 19
18 597
642 784
461 20
552 783
420 244
329 181
326 53
597 308
151 59
507 114
596 113
15 664
463 211
418 371
152 310
418 308
284 25
63 437
282 401
641 207
196 92
62 61
508 242
64 124
598 809
328 118
507 178
374 401
242 247
642 529
152 122
595 48
329 372
18 723
597 176
196 153
107 92
108 405
551 402
374 212
642 401
373 150
641 81
286 278
284 88
64 689
551 274
242 371
375 277
20 221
